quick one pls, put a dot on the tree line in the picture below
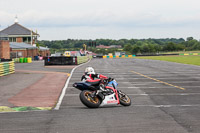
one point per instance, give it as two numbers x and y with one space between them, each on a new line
131 46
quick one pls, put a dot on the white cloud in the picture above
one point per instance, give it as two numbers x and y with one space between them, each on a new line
100 15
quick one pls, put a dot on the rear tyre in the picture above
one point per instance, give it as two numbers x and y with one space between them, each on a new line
87 100
124 99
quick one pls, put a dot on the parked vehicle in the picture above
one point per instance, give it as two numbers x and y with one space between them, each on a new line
102 93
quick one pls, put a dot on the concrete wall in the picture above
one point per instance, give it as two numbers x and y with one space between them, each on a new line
4 49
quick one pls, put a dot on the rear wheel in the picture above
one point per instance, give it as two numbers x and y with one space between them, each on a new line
124 99
88 100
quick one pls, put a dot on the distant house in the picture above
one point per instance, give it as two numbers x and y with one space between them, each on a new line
18 33
111 46
102 46
22 42
115 46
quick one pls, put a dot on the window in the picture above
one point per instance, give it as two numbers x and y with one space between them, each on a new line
3 38
12 39
27 39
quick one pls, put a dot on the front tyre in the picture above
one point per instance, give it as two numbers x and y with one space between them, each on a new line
88 100
124 99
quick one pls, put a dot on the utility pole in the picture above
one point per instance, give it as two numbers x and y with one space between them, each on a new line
31 37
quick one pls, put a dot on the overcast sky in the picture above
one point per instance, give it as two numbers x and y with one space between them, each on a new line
110 19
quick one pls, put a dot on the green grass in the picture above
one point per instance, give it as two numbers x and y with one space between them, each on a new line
180 52
193 60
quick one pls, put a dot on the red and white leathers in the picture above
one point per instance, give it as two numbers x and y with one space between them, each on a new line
93 77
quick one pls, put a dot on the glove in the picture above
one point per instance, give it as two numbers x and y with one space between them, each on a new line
110 79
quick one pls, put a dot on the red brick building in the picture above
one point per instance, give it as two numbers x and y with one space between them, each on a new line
22 50
4 49
22 42
44 51
26 50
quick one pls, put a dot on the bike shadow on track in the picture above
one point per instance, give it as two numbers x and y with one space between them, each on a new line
102 107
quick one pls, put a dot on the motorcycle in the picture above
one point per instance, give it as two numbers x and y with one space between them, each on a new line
101 93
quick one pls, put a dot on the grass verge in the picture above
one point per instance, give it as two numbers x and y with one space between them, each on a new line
193 60
9 109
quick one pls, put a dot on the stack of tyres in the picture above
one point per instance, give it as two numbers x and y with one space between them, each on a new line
16 60
1 69
21 60
11 67
25 60
7 68
29 60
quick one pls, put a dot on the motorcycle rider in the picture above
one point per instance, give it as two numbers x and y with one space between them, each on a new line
93 78
90 75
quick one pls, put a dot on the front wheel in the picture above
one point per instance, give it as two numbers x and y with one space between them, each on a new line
88 100
124 99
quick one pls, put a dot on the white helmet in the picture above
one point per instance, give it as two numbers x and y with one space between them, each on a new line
89 70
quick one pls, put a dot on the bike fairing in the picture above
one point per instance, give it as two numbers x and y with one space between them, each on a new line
90 95
103 87
113 88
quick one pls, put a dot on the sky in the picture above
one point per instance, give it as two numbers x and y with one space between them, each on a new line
104 19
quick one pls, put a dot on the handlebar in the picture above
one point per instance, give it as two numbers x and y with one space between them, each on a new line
103 80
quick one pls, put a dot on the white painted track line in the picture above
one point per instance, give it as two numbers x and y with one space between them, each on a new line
144 94
65 87
150 106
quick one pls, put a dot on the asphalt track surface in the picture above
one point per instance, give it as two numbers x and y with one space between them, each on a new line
165 99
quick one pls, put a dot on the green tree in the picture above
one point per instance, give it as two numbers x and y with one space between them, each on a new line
157 48
189 38
145 48
128 47
135 49
57 46
170 47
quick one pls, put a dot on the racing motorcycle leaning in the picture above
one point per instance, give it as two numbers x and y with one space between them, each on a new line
101 93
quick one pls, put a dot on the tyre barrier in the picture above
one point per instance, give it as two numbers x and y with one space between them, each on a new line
59 60
23 60
16 60
29 60
7 68
189 54
63 60
120 56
